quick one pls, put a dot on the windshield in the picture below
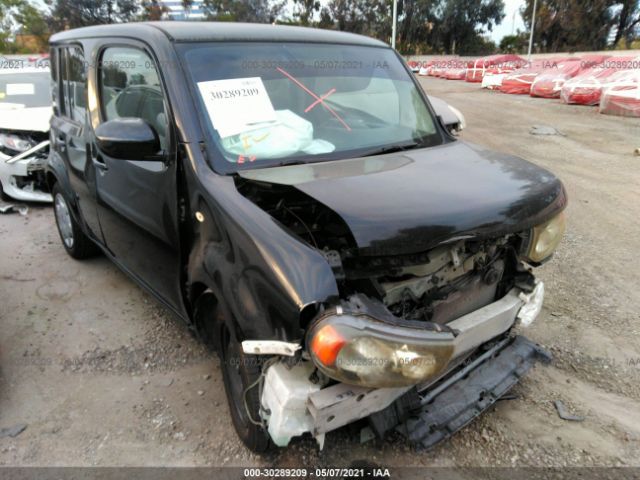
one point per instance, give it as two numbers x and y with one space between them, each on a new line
280 103
25 90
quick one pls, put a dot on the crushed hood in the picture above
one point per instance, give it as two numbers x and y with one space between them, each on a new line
16 117
410 201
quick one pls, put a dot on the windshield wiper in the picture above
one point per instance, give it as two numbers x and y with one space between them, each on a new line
286 163
399 147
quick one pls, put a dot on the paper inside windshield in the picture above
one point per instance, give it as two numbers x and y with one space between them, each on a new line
237 105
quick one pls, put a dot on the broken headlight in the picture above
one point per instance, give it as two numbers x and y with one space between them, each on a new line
544 239
14 143
360 350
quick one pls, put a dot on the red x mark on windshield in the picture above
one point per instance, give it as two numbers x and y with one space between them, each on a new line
310 107
319 100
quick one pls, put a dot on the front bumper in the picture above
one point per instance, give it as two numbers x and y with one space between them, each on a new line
427 418
17 174
363 344
321 410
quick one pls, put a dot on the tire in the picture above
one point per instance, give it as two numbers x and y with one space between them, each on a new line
77 244
2 195
239 371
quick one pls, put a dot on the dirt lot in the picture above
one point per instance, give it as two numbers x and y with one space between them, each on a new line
102 375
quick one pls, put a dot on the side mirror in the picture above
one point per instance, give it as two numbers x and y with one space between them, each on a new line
451 118
128 139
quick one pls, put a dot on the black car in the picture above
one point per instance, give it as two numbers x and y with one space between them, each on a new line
291 194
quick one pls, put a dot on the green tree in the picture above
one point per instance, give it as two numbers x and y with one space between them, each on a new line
186 5
366 17
416 20
23 17
254 11
514 43
81 13
152 10
570 25
627 21
326 20
447 26
304 10
481 46
7 10
460 23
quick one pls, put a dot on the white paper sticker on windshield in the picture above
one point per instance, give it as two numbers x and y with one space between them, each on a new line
237 105
20 89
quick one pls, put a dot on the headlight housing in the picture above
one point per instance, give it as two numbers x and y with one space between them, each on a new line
14 143
544 239
360 350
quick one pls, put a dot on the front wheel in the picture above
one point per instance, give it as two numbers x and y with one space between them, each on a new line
241 371
74 240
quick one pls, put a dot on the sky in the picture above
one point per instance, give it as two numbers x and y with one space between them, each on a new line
508 25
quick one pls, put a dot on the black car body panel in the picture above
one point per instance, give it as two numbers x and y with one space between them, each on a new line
285 274
418 199
244 245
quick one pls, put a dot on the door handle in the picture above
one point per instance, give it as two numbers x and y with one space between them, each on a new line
99 163
96 158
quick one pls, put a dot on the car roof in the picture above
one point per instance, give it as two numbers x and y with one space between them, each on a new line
218 32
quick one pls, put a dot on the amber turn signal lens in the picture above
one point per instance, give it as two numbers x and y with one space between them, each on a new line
326 345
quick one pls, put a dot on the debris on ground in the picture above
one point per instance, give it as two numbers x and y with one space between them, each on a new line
366 434
166 382
10 208
508 396
545 130
13 431
564 414
637 152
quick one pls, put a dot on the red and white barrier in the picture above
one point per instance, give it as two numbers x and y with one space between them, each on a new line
586 87
621 95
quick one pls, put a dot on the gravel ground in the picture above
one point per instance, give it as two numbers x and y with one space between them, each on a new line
101 375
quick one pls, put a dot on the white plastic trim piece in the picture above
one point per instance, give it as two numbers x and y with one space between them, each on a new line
532 304
29 152
284 402
270 347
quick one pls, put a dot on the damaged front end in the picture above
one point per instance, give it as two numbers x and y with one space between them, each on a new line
25 112
429 293
23 156
362 360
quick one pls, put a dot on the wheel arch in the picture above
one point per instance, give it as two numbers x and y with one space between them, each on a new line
210 313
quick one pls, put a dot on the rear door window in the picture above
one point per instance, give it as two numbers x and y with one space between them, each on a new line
73 75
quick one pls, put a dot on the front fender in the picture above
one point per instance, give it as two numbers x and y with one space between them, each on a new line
264 274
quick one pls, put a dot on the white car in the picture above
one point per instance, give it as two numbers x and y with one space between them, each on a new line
25 111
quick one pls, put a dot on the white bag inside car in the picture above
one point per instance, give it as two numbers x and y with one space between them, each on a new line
289 134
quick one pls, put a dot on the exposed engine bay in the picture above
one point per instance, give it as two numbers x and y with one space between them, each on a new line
427 297
435 286
26 109
445 304
23 156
